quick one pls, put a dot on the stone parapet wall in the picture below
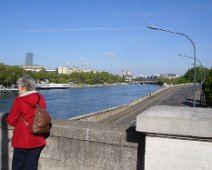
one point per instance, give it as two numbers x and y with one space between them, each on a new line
80 145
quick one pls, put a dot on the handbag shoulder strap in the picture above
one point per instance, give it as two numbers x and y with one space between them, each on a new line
26 123
38 102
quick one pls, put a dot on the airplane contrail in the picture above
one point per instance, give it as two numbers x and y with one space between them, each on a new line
85 29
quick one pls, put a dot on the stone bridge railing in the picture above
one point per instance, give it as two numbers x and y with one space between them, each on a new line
79 145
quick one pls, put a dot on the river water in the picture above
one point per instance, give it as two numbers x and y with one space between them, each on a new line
67 103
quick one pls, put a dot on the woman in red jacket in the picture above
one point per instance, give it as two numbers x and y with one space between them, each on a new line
27 147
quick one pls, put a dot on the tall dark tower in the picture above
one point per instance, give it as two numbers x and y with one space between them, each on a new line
29 59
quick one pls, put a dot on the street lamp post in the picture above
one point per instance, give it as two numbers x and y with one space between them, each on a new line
178 33
201 76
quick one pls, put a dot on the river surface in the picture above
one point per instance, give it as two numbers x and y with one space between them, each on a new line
67 103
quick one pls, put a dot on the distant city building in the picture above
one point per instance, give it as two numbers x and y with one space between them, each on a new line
69 70
29 64
35 68
153 77
63 70
127 75
29 59
51 70
169 76
156 77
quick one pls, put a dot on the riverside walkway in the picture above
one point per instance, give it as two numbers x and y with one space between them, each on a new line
173 96
179 95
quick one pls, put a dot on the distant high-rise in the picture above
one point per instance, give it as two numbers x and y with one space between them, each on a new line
29 59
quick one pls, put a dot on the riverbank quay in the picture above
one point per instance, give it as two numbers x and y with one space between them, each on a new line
7 89
166 137
96 85
100 116
48 86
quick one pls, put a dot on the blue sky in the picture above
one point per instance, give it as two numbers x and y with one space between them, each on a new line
109 35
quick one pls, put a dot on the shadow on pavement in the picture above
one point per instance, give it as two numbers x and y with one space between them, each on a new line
189 102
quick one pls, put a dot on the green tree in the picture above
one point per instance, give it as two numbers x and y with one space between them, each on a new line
182 80
189 75
207 88
10 74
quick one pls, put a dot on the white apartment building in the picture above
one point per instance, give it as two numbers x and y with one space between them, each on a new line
35 68
63 70
69 70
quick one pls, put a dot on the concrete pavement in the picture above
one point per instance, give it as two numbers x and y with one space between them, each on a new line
174 96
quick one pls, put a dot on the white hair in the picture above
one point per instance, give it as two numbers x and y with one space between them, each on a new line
27 81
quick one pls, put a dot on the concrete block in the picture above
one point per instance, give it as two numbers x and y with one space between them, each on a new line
177 121
177 154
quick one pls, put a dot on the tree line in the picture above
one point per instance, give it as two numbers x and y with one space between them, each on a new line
10 74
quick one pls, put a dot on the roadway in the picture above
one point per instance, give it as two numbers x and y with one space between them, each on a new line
174 96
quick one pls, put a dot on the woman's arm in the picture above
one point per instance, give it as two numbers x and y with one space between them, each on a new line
14 112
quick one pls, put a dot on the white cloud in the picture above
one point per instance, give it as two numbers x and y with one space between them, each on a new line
85 29
110 54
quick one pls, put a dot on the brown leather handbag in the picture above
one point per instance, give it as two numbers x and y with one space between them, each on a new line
41 122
